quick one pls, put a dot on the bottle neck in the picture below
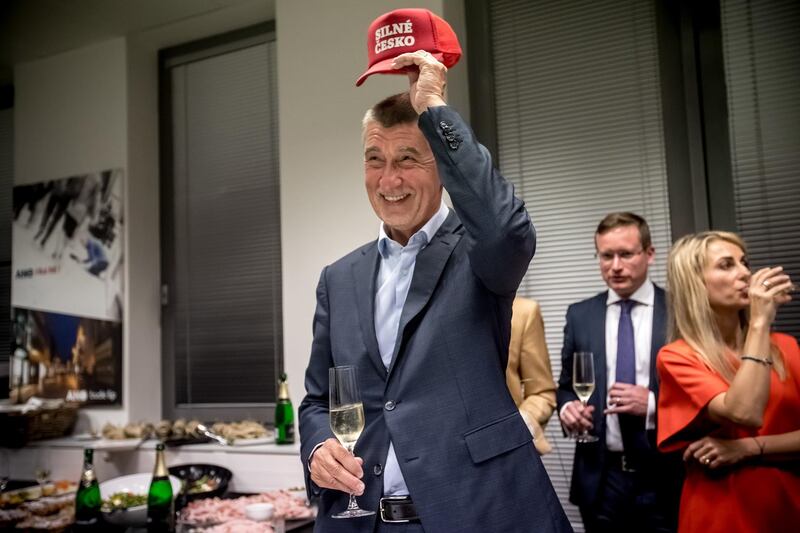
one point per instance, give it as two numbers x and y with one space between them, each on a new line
161 465
283 391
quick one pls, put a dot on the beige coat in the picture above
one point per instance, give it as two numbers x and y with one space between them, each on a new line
528 360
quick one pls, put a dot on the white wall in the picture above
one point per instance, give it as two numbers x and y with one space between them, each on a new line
69 113
70 118
97 108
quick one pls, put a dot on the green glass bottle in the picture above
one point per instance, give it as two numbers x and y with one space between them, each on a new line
284 414
87 499
160 508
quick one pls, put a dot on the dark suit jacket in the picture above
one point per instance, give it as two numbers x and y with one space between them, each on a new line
585 330
464 450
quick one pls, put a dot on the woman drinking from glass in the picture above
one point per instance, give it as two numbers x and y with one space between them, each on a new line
730 389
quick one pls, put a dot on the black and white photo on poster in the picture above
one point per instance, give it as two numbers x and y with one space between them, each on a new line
67 287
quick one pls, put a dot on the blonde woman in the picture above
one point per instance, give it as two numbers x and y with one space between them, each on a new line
529 363
730 395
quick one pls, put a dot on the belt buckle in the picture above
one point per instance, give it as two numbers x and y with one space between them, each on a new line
382 509
624 465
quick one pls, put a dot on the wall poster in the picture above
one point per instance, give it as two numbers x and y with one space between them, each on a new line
67 289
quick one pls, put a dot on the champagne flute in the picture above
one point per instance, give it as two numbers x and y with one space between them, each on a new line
583 384
42 477
347 420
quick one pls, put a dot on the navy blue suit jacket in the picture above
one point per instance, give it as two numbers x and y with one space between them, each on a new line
464 450
585 331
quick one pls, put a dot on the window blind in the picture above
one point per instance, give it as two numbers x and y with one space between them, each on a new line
580 135
227 296
761 46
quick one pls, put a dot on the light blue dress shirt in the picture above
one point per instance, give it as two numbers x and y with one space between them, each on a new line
394 279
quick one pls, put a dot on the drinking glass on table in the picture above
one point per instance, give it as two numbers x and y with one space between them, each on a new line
583 384
42 471
347 420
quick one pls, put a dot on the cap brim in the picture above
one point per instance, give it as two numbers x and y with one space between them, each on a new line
384 66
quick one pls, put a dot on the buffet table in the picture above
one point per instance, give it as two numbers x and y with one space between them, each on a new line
255 467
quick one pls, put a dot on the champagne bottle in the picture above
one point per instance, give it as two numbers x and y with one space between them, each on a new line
284 414
160 510
87 499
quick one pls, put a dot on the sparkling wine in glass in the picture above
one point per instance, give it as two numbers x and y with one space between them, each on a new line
583 384
347 420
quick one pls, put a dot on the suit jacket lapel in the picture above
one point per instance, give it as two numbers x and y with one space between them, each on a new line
598 336
428 269
658 336
366 269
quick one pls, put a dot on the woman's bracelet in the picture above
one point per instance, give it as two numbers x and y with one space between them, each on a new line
760 446
760 360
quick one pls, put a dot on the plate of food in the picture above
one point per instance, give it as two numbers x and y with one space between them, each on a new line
210 511
125 498
27 494
202 480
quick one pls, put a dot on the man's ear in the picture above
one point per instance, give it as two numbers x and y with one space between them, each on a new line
651 255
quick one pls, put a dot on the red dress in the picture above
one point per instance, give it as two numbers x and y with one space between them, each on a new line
749 497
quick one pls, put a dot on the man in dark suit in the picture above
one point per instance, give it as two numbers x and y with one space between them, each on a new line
424 314
620 482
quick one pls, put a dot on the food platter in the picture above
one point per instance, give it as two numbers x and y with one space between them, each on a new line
28 494
202 480
211 512
135 484
49 508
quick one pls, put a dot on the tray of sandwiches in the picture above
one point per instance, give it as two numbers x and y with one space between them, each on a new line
50 507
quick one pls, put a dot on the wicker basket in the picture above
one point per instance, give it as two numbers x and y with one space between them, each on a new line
18 428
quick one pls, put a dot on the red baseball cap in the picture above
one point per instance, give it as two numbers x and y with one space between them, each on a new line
408 30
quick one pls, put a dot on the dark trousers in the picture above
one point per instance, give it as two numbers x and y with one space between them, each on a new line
628 504
383 527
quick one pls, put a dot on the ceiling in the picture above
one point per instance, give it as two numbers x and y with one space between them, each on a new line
32 29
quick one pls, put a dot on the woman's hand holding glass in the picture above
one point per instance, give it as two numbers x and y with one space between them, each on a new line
769 289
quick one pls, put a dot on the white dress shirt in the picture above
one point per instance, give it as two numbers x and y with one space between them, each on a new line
395 273
642 317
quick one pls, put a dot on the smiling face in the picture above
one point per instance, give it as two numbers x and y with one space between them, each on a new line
401 178
623 261
727 276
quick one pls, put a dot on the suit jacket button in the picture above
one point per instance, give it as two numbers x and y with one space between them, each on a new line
377 469
389 406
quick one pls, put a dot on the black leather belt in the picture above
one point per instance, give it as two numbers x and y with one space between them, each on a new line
398 509
619 461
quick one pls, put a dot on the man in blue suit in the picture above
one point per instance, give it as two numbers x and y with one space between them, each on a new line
620 482
424 313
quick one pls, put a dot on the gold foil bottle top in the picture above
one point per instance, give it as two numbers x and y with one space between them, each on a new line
283 388
161 464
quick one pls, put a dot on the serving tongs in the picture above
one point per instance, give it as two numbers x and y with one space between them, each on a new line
202 429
